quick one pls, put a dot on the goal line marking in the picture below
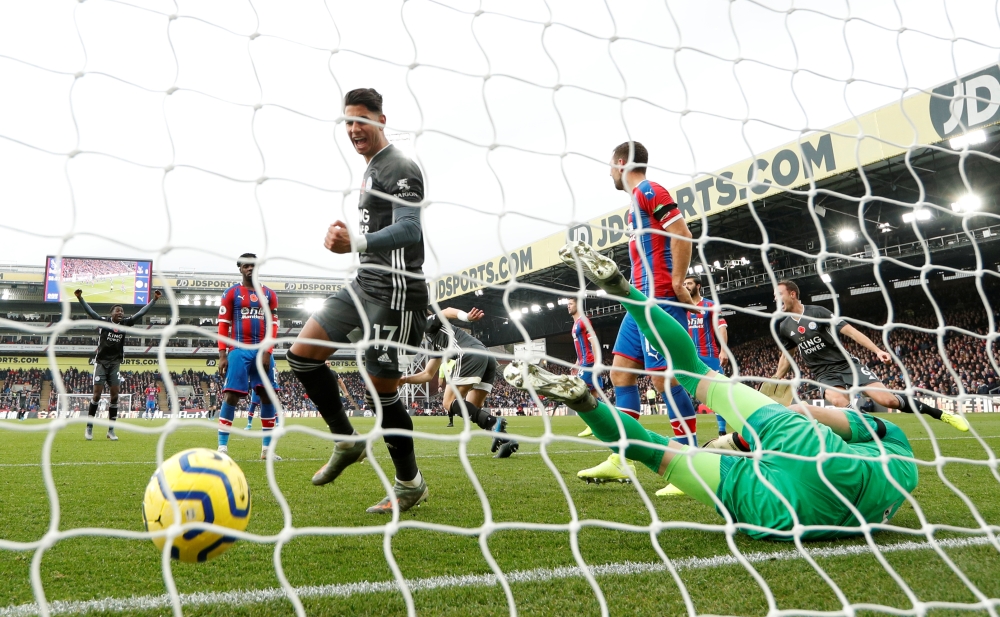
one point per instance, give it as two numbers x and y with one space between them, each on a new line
538 575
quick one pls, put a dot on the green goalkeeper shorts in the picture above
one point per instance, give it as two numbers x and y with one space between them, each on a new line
863 483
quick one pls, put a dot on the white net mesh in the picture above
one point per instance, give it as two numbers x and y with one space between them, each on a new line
76 405
189 131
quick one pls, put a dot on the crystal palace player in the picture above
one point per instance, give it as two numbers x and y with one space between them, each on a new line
241 317
772 496
471 375
707 332
150 392
389 289
821 355
109 357
659 263
584 342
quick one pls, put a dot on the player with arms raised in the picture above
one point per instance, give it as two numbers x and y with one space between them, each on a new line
817 346
659 263
387 300
242 317
109 356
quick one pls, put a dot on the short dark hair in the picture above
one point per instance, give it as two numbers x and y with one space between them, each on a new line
695 278
639 152
245 258
368 97
791 287
114 306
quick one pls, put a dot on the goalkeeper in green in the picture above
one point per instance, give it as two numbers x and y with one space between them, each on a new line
804 490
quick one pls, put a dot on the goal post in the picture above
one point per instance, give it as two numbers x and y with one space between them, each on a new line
74 405
846 153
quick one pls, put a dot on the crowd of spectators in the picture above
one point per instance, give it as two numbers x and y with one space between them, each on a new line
89 269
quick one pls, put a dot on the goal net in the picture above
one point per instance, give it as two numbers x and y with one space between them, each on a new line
77 405
824 172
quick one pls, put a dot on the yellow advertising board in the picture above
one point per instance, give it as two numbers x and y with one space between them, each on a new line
952 109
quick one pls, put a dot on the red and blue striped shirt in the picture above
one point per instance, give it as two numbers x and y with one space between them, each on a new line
701 330
241 315
583 343
653 210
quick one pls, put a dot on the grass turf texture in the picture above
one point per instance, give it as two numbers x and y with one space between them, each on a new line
100 484
98 292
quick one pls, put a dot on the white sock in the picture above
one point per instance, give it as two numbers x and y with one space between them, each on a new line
344 445
414 483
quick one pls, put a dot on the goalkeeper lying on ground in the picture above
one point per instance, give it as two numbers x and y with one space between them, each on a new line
763 424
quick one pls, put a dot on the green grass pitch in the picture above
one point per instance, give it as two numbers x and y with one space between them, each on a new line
102 292
100 485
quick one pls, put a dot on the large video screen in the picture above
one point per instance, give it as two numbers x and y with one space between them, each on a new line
103 281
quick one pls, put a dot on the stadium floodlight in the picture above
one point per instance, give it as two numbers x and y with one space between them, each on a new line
524 309
563 301
698 269
313 304
716 265
535 308
479 292
847 235
825 277
550 305
884 227
920 214
967 203
515 315
969 139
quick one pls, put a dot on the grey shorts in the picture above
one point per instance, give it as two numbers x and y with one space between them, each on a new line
476 370
107 373
845 375
341 315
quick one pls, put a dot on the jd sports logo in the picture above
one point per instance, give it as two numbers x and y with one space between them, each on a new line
971 102
581 233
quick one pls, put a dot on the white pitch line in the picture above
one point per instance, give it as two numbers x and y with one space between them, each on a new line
300 460
539 575
597 448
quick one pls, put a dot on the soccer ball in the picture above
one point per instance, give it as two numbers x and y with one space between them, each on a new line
210 488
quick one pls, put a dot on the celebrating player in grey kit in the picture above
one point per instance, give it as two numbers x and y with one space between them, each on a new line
470 376
829 366
389 289
109 357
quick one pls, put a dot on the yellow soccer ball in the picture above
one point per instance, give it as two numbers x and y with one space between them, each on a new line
211 488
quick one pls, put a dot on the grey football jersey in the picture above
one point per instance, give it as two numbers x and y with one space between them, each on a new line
392 173
814 339
437 335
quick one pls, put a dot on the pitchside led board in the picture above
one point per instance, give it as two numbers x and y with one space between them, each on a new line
103 281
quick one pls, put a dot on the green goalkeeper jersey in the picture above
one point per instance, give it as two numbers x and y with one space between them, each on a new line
863 483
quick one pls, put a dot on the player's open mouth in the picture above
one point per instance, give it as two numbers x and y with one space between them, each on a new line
360 143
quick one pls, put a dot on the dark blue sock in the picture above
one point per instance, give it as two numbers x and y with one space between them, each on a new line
682 415
267 415
627 399
226 415
722 423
